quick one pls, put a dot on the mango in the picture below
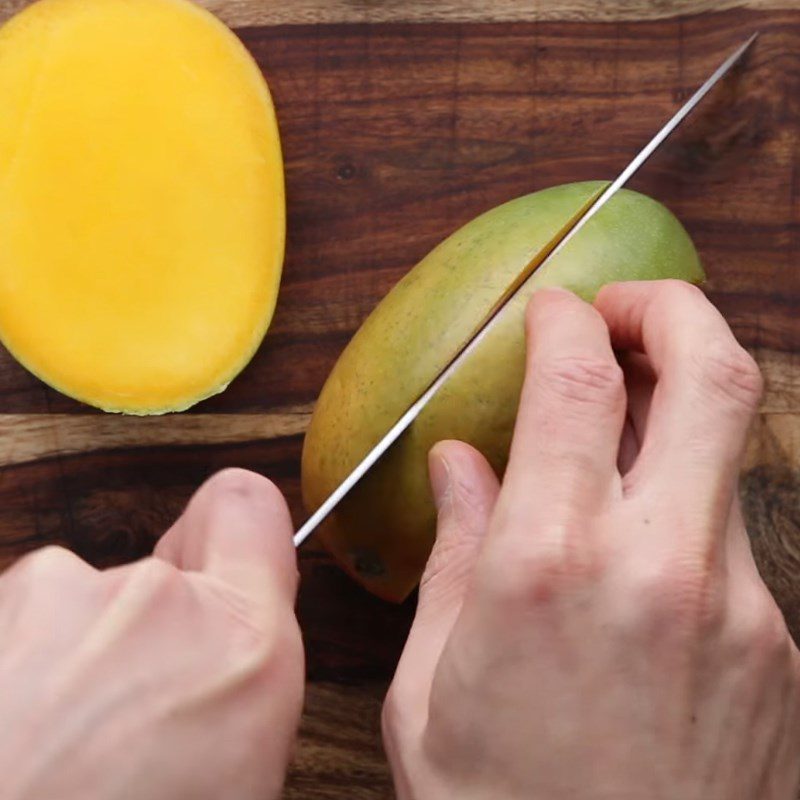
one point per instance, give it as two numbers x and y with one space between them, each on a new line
383 531
142 212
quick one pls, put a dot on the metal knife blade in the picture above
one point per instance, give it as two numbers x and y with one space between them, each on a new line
391 436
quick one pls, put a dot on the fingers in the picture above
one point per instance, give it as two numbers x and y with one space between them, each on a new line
465 489
563 459
237 529
640 381
707 392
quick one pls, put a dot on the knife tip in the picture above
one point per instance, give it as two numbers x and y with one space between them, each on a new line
751 40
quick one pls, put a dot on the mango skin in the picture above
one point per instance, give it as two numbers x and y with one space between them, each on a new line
383 531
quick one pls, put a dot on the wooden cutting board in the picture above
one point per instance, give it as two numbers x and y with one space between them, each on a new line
400 122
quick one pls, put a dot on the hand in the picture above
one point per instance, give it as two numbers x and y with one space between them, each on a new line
597 628
179 676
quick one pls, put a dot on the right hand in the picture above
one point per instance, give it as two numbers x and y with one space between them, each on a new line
597 627
177 676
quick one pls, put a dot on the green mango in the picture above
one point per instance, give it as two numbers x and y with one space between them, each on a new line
383 531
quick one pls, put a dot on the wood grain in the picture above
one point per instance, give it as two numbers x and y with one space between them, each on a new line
33 437
241 13
394 134
336 747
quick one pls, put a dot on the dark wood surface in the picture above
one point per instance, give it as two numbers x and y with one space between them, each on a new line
395 134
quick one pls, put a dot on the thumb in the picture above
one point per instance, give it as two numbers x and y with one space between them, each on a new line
237 529
465 490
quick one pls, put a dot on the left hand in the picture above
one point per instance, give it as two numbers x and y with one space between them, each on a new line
178 676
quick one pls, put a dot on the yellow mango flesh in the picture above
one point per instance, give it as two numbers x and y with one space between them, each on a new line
142 209
383 531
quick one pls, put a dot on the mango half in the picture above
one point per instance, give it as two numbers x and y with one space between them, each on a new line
142 213
382 532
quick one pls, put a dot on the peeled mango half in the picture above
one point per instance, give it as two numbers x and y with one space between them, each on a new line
142 209
383 531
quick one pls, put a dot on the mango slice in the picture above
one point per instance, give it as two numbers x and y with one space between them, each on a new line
142 212
383 531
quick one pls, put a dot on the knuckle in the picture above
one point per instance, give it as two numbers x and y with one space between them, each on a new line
449 556
671 594
459 532
154 576
517 577
50 571
583 380
457 540
268 644
761 630
446 574
470 503
771 634
728 371
49 560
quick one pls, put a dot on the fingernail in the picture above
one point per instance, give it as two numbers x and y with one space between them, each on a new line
439 472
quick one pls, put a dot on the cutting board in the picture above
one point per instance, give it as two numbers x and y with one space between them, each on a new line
400 122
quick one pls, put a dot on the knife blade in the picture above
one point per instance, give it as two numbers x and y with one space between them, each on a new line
394 433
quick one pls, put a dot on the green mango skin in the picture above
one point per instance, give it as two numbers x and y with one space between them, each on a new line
382 532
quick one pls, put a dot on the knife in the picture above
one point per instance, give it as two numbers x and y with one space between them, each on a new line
391 436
